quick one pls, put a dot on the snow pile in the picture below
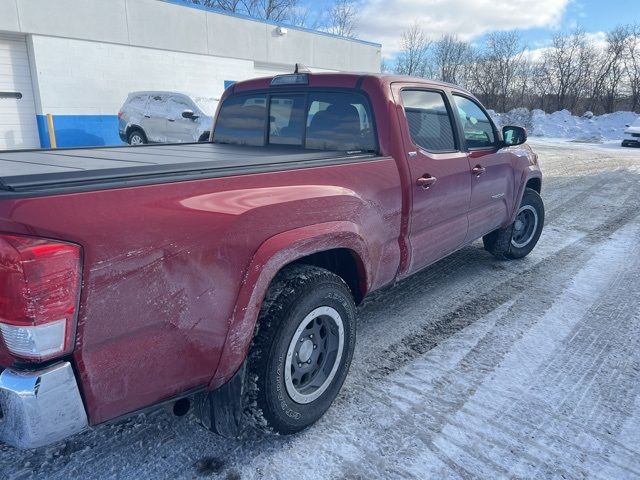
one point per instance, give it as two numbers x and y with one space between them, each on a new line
588 128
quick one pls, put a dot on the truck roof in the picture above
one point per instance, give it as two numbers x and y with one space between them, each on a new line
344 80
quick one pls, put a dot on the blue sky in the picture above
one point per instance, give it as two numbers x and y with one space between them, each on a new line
537 20
383 21
592 15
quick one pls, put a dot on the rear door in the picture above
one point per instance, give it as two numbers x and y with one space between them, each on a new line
492 172
440 178
154 122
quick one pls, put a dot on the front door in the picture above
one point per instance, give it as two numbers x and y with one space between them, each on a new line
492 173
180 129
440 179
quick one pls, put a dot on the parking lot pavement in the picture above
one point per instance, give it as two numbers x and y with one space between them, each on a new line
472 368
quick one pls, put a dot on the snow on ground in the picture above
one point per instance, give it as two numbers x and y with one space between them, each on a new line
474 368
562 124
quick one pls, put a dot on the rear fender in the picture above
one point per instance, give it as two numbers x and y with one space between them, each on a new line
275 253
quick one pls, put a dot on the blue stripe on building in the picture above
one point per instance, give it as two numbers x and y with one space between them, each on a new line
80 130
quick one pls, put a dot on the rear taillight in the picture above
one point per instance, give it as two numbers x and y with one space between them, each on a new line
120 114
39 290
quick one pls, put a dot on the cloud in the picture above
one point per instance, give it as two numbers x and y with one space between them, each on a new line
384 20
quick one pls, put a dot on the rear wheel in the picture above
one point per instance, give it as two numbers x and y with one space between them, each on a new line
136 137
519 239
303 348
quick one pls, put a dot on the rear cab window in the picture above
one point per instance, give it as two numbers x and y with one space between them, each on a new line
430 124
242 120
315 120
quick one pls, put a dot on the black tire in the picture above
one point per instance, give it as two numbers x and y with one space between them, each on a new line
295 294
134 134
204 137
516 241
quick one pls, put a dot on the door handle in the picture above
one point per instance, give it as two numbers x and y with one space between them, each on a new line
147 116
426 181
478 170
171 119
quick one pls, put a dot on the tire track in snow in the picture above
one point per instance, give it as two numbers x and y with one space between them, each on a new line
407 427
157 445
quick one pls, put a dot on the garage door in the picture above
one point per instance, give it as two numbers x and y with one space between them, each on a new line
18 127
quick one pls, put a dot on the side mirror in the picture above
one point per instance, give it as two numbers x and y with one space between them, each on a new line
514 136
189 114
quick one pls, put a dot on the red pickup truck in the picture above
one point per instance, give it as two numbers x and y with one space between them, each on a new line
227 273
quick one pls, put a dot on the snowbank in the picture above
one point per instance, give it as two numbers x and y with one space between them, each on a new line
588 128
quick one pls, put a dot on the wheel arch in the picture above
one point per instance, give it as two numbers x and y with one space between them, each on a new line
132 127
336 246
534 183
531 178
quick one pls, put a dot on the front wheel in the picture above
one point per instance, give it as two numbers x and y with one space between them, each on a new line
302 350
519 239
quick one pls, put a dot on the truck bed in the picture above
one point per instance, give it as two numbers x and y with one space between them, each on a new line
35 172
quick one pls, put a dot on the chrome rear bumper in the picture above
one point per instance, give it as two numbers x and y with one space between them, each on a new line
40 407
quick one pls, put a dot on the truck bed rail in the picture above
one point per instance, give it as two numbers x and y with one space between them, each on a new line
36 172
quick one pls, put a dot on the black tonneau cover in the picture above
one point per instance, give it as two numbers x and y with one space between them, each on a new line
38 171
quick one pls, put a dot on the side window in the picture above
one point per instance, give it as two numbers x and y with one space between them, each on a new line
157 106
478 131
177 105
139 102
429 122
339 121
241 120
286 119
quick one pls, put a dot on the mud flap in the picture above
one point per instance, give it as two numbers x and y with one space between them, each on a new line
221 410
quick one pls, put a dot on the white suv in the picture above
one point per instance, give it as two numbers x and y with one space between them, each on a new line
632 135
165 117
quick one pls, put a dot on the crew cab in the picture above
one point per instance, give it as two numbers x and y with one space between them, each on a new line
225 275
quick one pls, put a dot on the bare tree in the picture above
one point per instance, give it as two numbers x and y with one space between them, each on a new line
302 16
609 70
632 66
499 70
276 10
228 5
568 62
574 72
343 18
414 48
450 56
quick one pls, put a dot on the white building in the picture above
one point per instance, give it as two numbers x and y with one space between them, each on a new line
78 60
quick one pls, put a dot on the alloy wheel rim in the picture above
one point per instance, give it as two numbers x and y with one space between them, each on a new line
525 226
314 355
136 140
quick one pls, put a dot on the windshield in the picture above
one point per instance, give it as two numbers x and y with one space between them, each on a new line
206 104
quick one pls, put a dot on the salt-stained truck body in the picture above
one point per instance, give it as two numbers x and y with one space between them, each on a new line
228 272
